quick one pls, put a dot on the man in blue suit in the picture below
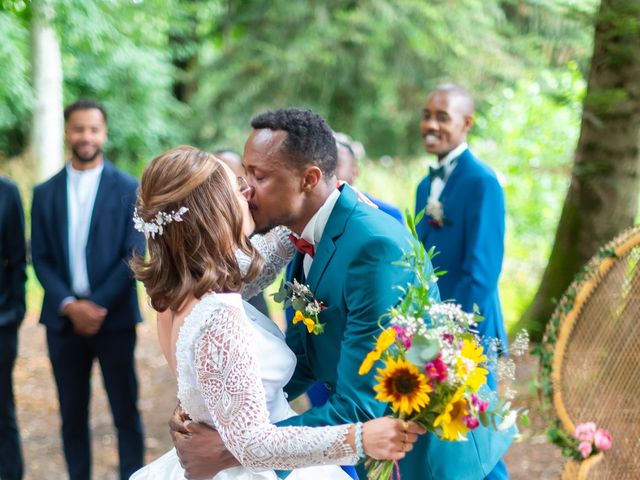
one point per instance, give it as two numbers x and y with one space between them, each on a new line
465 215
12 308
82 238
347 251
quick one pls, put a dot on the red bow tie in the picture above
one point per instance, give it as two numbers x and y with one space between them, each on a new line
302 245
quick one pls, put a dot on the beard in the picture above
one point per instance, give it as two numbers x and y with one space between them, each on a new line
85 159
263 225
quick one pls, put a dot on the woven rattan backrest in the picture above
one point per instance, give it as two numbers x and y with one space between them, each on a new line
596 363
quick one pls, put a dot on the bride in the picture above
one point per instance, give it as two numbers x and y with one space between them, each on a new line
231 371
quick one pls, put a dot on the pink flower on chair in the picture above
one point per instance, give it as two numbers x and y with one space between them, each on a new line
585 431
585 449
602 439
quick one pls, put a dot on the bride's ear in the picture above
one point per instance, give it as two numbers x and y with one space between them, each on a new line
311 176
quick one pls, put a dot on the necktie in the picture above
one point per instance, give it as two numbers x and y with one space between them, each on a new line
302 245
436 172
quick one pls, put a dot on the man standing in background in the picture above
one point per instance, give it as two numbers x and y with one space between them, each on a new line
82 238
350 153
464 216
12 309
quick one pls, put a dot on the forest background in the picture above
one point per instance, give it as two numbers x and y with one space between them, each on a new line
195 72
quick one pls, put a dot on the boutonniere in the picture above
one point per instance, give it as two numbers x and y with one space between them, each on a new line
435 210
299 297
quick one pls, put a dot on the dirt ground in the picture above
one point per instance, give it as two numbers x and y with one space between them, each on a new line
39 421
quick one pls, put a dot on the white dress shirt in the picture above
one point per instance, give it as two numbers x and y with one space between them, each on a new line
314 229
82 188
449 163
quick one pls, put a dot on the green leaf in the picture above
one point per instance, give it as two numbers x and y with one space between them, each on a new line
484 419
422 350
280 296
298 304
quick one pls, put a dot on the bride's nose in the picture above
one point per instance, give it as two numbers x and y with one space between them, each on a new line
248 192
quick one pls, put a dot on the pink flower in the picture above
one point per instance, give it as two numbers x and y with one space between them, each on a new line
448 337
402 335
602 439
585 431
470 422
479 404
436 369
585 449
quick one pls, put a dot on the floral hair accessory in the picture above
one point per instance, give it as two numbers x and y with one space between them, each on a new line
156 225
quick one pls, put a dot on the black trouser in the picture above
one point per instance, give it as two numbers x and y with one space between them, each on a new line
10 453
72 357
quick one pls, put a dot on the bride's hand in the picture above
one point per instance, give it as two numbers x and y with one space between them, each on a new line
389 438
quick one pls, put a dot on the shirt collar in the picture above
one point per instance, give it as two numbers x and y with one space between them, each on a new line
90 173
314 229
448 161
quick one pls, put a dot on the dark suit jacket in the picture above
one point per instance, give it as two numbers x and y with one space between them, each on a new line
112 239
12 255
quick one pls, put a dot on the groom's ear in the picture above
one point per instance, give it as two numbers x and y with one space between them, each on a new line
311 176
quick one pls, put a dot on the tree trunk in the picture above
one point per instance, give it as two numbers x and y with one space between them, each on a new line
48 125
603 195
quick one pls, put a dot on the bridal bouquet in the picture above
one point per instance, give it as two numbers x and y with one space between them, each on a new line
432 366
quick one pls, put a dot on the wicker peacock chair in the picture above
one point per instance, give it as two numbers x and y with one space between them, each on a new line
595 367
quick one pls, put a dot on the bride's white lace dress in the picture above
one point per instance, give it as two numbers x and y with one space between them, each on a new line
231 374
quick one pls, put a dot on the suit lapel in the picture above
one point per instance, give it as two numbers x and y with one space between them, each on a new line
295 269
61 215
334 228
104 191
457 172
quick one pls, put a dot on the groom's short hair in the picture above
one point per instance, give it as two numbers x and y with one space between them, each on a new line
309 139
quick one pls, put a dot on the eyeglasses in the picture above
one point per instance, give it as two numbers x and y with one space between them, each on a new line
243 185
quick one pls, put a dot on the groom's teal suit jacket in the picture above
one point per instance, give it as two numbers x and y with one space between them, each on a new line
354 276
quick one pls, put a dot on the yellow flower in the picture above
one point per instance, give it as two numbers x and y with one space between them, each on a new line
452 417
402 384
385 340
467 367
299 317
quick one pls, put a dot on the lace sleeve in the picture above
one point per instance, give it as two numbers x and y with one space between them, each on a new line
277 250
228 377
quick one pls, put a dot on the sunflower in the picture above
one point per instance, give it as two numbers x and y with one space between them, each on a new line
402 384
299 317
452 417
385 340
467 367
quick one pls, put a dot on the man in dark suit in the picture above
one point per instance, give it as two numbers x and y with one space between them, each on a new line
12 308
350 153
82 238
464 215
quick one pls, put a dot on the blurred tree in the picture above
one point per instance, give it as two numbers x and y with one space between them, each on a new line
114 51
47 127
367 66
15 70
603 195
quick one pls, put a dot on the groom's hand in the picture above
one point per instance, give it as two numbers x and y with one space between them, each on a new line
199 447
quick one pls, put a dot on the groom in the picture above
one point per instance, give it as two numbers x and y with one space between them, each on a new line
348 262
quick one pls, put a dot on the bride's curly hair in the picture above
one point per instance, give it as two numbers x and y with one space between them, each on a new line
197 254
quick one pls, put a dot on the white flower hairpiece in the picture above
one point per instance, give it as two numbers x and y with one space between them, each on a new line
156 226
